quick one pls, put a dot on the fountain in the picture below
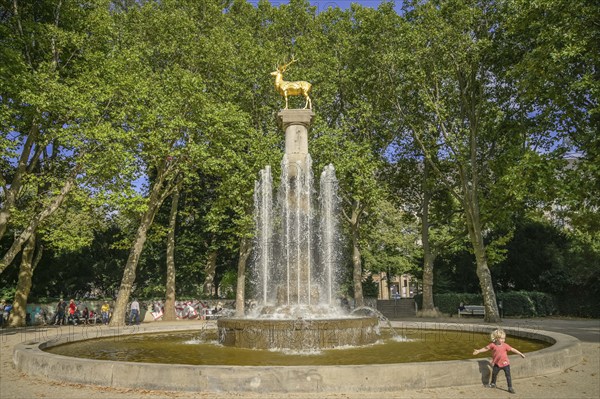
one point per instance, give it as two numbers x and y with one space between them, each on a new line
296 263
296 259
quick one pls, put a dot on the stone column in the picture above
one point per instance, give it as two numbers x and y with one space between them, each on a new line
297 211
296 123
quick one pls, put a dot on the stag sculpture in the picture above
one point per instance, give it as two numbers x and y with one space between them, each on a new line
299 88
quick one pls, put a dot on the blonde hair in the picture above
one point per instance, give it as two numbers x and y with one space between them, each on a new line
497 335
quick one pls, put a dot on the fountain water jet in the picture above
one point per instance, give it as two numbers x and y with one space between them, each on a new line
296 259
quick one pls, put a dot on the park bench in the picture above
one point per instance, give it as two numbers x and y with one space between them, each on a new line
472 310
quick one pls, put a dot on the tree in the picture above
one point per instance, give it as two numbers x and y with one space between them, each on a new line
390 240
414 189
452 102
161 115
356 170
57 128
29 261
470 107
181 129
370 287
555 67
56 110
351 130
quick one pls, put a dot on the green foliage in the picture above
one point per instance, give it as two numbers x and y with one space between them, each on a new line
228 284
448 302
527 304
370 287
545 258
579 304
123 95
454 271
389 240
536 259
150 290
7 293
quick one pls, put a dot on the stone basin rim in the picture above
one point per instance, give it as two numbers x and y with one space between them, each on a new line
298 333
29 357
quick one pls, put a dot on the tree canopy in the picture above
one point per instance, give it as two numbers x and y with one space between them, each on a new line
464 133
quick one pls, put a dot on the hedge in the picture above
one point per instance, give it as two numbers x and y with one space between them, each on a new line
514 303
579 305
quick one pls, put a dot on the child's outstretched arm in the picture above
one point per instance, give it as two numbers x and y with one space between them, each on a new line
517 351
478 351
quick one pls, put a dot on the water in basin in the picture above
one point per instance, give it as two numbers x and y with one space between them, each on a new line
202 348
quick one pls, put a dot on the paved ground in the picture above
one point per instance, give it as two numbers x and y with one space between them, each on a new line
581 381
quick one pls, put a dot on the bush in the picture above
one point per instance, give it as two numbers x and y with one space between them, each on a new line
514 303
527 304
448 302
7 293
579 305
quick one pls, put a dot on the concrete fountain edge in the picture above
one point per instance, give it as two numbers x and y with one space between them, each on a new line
29 358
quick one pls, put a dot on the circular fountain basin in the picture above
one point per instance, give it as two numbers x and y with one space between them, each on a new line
29 357
298 334
201 347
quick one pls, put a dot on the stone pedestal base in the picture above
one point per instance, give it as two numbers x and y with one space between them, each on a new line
296 123
297 334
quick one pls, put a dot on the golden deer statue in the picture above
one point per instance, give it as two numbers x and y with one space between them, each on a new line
299 88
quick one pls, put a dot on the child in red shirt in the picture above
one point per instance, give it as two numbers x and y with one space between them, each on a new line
500 361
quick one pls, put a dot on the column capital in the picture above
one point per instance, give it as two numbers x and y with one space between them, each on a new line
289 117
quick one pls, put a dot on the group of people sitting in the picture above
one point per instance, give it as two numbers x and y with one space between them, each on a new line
187 310
71 314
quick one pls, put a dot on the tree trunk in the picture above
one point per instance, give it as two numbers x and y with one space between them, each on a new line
357 273
208 288
34 223
428 255
471 190
483 272
428 260
18 315
157 196
240 291
169 312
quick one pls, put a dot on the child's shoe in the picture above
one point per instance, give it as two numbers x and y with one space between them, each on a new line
492 386
511 390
